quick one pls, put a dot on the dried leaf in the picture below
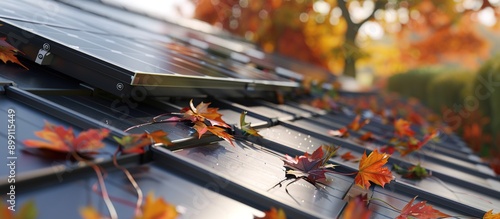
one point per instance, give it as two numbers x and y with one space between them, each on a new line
414 145
152 209
403 128
135 143
372 169
342 133
157 209
357 124
313 167
202 112
388 149
27 211
246 127
416 172
348 156
8 52
273 213
368 136
59 139
490 215
420 211
356 208
90 212
221 133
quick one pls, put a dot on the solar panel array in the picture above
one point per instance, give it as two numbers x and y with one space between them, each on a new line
204 177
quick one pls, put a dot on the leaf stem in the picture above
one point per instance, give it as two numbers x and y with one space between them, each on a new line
104 191
380 200
138 211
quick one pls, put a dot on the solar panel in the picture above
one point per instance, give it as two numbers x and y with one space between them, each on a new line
119 58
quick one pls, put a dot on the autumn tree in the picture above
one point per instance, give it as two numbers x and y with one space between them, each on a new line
329 32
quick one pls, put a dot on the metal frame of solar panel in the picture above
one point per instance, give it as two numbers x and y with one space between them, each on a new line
207 177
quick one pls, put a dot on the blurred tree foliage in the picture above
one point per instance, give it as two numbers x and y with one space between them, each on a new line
336 34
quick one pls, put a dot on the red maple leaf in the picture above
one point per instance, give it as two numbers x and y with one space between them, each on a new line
420 211
60 139
371 168
312 167
8 52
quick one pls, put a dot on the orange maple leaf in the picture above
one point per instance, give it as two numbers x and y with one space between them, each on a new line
356 209
490 215
8 52
368 136
371 169
60 139
157 209
135 143
403 128
152 209
348 156
273 213
221 133
357 124
420 211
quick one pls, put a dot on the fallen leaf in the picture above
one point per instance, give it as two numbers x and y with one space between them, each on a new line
372 169
356 208
368 136
342 133
152 209
221 133
246 127
348 156
27 211
273 213
420 211
157 209
202 112
135 143
357 124
403 128
90 212
389 149
60 139
312 167
414 172
414 145
490 215
8 52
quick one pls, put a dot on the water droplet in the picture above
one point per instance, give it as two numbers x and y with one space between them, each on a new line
300 143
300 134
307 148
308 136
217 164
305 139
302 200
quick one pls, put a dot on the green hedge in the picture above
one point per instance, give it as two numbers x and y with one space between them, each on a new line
449 89
487 90
434 87
442 87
